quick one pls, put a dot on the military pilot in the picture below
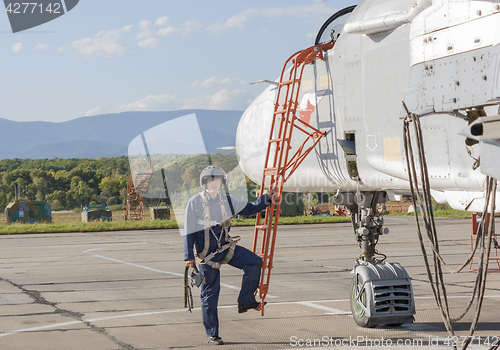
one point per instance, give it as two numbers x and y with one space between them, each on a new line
206 228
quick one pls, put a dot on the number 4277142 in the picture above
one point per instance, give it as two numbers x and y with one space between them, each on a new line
458 341
33 7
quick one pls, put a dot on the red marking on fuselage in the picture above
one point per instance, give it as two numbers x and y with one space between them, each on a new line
305 114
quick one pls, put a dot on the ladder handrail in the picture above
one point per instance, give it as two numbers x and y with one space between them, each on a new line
282 167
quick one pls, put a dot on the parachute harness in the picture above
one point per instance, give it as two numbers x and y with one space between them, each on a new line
208 224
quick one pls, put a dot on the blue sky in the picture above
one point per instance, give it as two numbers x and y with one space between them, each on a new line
110 56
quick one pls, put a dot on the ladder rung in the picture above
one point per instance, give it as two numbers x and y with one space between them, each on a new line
283 111
270 171
275 140
288 82
262 227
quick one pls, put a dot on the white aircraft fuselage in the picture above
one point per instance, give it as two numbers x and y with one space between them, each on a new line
441 58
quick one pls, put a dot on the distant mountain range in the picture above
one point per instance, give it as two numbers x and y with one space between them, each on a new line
106 135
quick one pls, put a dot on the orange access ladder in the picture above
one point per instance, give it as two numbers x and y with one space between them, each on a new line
280 164
138 183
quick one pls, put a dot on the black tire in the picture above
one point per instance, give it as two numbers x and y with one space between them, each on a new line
358 313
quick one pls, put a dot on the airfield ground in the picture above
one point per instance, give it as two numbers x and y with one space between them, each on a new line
124 290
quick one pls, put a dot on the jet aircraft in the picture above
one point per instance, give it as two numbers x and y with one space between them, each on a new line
386 63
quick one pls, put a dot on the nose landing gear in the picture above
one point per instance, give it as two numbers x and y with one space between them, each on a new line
381 292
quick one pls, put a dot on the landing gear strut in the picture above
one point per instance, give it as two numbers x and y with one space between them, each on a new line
381 292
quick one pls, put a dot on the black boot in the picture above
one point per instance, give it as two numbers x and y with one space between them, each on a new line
215 340
245 307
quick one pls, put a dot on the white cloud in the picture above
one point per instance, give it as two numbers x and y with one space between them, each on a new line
299 11
153 103
17 47
144 25
228 99
105 43
187 28
317 10
167 31
149 38
111 44
145 31
241 18
146 34
234 21
41 46
190 26
216 81
162 21
223 99
151 43
95 111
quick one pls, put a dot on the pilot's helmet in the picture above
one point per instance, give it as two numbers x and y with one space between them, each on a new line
212 171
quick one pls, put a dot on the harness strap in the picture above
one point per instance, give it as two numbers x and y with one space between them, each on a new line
230 253
231 246
218 251
212 222
213 265
225 217
207 223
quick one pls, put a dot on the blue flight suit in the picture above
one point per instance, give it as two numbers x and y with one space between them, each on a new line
243 259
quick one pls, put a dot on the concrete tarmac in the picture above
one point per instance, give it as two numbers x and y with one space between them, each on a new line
124 290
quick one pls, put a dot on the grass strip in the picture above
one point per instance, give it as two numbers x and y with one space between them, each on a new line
101 226
445 213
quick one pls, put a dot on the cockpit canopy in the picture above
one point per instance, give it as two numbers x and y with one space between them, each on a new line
331 29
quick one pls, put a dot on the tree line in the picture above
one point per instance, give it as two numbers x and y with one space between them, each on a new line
71 183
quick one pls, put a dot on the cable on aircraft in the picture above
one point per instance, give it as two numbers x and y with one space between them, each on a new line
425 201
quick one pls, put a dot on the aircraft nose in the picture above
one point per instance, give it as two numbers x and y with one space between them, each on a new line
253 132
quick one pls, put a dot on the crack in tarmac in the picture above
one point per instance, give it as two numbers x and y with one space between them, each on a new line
39 299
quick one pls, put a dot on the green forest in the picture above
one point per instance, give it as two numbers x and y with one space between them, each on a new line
72 183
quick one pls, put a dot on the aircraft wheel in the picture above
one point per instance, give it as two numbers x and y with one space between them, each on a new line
358 312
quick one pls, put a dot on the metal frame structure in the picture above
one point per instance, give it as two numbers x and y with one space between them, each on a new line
473 237
138 183
279 165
